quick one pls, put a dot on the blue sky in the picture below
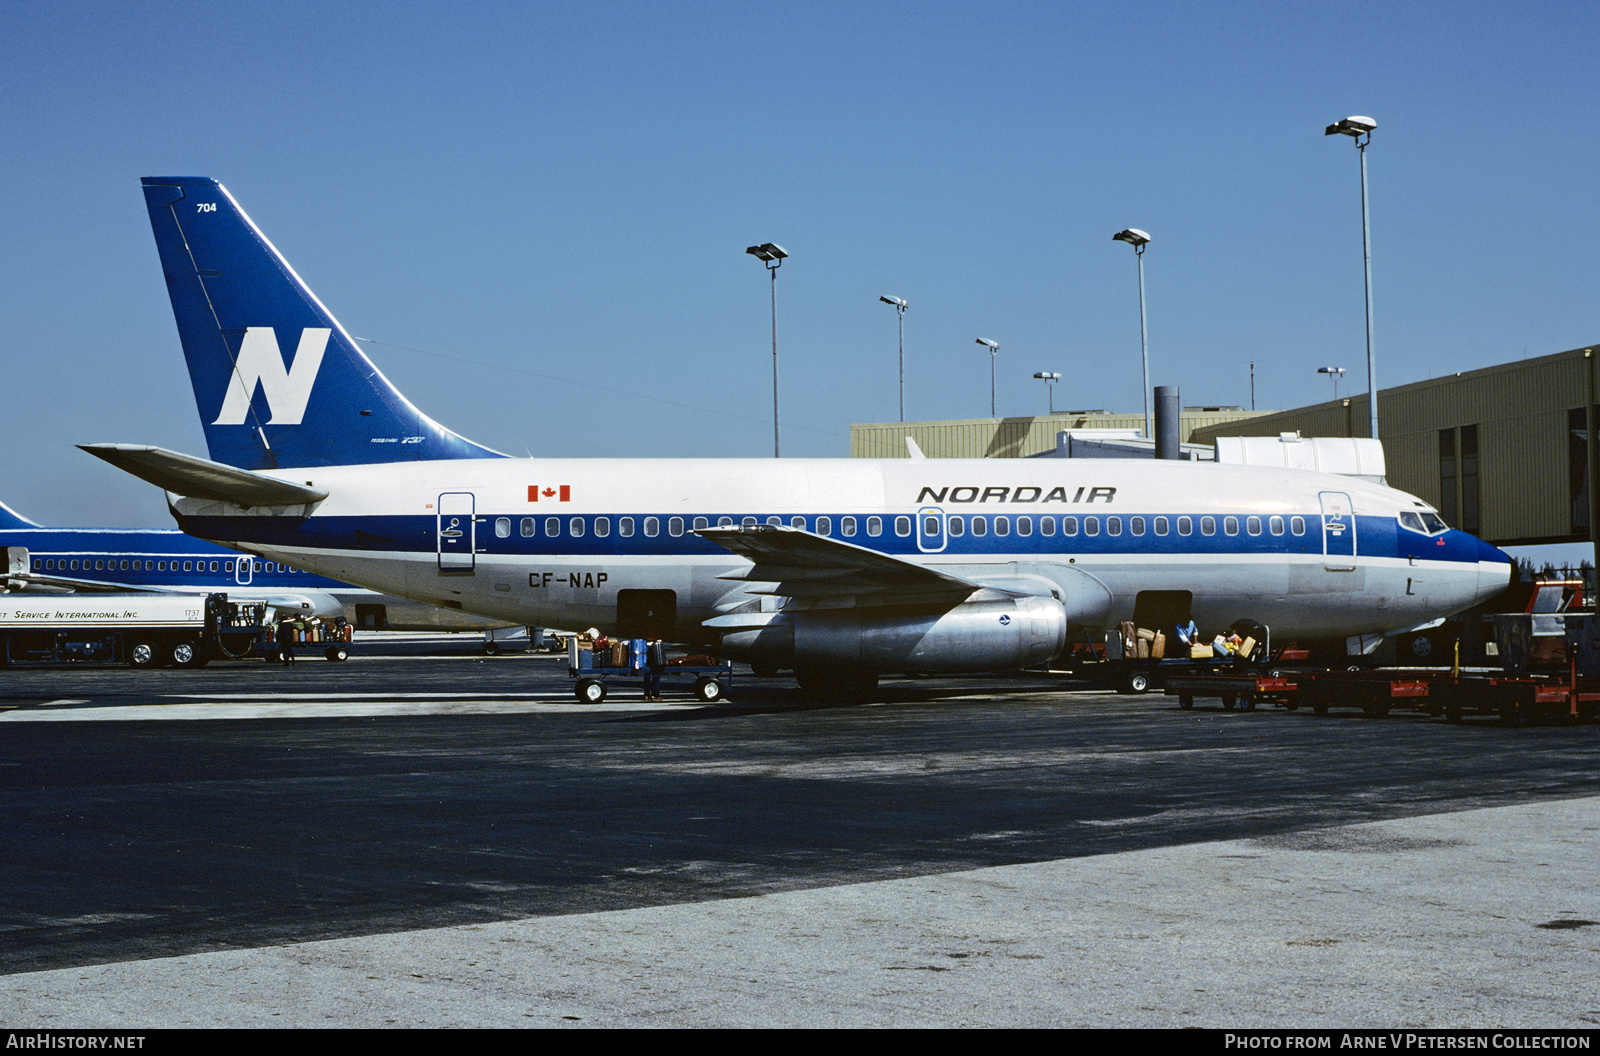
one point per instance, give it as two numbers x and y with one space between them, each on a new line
541 209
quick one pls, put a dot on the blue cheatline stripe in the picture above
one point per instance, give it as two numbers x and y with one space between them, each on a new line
1376 537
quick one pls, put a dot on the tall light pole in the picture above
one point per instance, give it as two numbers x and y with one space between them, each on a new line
1138 240
771 254
993 349
1336 373
899 306
1050 381
1360 129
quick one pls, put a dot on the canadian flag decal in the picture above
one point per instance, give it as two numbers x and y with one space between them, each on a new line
564 492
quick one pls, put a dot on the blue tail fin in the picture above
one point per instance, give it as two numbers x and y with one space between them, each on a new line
278 382
10 518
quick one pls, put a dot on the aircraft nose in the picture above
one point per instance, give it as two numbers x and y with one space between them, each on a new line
1495 569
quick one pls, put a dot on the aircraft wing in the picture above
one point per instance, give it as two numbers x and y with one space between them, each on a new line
199 479
816 571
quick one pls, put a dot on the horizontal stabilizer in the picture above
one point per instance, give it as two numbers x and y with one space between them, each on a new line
197 478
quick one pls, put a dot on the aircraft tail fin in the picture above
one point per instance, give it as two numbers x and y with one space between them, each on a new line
10 518
278 382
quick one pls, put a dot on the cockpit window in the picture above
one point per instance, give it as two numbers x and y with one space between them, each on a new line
1423 521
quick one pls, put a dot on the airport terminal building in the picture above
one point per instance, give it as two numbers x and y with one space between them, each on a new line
1505 452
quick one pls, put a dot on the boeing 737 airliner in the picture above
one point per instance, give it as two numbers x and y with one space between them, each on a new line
839 569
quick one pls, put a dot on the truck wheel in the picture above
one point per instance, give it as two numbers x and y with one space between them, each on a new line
184 653
337 652
708 690
590 691
143 654
491 649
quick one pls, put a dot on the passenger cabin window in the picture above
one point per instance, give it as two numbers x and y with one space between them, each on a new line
1113 525
775 521
824 526
652 526
1136 525
748 522
1275 525
625 527
1185 526
701 522
724 522
1047 526
1024 525
847 526
1091 526
602 526
675 526
502 527
1162 526
1230 525
1297 525
902 526
1002 526
552 526
956 525
874 526
797 522
575 526
527 527
1208 526
980 526
1253 525
1069 526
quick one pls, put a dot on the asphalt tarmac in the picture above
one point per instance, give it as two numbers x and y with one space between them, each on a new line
431 841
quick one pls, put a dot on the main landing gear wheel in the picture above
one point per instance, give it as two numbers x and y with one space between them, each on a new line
708 690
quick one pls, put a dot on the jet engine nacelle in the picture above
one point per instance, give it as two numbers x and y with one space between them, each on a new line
987 635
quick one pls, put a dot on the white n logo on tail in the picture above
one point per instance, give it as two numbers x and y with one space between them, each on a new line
287 390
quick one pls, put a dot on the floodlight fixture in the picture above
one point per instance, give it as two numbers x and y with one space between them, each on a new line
1138 240
1334 372
1050 379
899 305
768 252
772 255
994 349
1360 129
1351 126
